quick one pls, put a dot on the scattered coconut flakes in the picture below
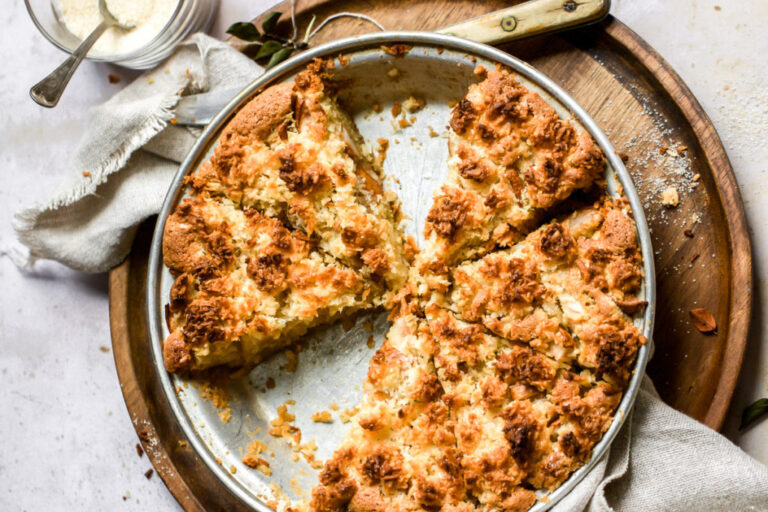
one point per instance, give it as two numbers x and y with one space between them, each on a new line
670 197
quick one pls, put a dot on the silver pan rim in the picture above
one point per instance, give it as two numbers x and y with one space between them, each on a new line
153 301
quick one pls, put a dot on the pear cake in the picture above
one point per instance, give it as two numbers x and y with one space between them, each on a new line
512 337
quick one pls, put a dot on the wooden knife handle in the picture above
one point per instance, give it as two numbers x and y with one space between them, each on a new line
529 19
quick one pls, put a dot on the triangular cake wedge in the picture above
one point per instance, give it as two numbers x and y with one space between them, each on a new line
246 285
521 419
567 290
293 153
400 453
512 159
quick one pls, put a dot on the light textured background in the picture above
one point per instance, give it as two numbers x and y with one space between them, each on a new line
67 441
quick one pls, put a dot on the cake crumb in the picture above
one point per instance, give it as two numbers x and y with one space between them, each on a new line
113 79
148 473
413 105
393 73
293 361
670 197
371 342
377 108
322 417
397 108
139 450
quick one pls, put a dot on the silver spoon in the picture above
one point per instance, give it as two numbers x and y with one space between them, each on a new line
48 90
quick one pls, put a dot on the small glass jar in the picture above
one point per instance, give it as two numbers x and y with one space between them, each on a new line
189 17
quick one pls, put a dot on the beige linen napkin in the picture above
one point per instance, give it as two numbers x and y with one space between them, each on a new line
129 154
660 461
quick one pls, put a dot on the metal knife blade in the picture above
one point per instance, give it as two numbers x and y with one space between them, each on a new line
199 109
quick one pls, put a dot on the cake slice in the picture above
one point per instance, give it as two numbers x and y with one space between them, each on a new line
247 285
566 290
294 154
512 159
400 453
521 419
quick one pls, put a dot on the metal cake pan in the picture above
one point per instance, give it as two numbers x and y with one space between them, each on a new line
334 362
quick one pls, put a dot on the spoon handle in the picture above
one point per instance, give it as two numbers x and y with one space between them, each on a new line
48 90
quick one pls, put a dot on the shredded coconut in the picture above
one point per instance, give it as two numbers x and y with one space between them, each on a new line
148 18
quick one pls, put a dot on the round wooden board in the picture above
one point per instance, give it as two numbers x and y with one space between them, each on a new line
644 107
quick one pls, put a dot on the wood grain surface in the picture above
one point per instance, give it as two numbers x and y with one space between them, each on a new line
702 250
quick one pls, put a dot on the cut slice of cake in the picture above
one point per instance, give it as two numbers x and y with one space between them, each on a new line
400 453
512 158
561 290
293 153
247 285
521 420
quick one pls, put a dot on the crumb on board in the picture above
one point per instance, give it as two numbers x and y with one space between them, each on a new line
113 79
404 123
270 383
139 450
322 417
232 469
371 342
334 406
393 73
377 108
343 60
148 473
102 348
397 108
670 197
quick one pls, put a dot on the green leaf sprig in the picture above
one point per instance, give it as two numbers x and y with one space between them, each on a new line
272 46
753 412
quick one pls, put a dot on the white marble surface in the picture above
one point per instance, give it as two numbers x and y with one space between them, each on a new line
68 443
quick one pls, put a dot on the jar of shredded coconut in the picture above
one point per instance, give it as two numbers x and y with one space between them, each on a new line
157 27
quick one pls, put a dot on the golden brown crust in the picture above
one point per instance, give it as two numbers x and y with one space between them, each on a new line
261 116
510 346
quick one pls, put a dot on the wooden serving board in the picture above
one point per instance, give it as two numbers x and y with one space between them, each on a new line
702 249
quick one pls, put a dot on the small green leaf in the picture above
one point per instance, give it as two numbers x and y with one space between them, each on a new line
270 21
268 48
279 57
244 30
753 412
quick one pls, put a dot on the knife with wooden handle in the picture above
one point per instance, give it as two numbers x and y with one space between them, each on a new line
530 18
